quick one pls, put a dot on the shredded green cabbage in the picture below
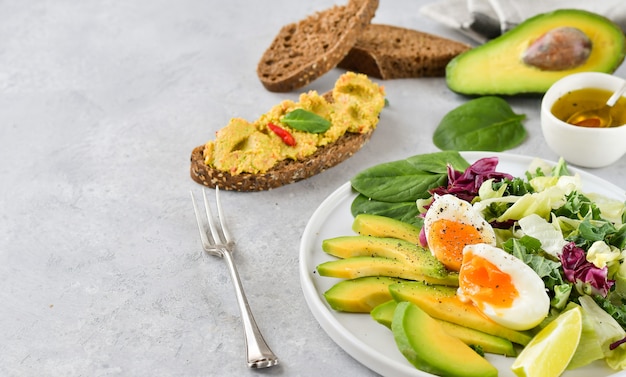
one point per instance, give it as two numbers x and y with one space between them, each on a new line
607 331
589 348
549 234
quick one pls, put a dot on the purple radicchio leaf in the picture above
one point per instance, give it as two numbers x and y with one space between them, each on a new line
422 238
584 274
465 185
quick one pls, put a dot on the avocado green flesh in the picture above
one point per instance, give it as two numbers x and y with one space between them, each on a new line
381 226
489 343
400 250
427 346
355 267
383 314
383 256
496 67
360 295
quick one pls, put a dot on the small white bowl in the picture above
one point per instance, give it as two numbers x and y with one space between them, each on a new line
583 146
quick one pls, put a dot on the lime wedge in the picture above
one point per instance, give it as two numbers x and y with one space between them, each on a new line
549 352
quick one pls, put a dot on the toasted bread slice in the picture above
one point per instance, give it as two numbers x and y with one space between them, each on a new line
304 51
391 52
285 172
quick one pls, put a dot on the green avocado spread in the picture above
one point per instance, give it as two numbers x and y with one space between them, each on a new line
252 147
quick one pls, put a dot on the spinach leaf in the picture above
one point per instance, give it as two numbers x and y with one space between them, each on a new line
404 211
409 179
482 124
307 121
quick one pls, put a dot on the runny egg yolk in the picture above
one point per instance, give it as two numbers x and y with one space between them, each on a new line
448 237
484 283
502 287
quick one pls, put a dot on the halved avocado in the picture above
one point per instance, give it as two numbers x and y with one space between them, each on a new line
501 66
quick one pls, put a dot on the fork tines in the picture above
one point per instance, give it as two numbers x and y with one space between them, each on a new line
215 238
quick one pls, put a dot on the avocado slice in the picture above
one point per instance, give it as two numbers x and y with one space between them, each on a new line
441 302
502 66
360 266
386 247
426 345
360 295
489 343
382 226
384 256
383 314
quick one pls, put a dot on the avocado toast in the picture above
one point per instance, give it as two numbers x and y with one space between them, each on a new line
277 149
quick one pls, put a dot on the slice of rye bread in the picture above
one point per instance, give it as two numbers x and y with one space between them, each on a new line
304 51
392 52
284 172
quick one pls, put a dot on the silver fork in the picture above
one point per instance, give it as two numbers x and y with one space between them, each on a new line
217 241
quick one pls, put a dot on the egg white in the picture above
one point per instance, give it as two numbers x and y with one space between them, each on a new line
532 304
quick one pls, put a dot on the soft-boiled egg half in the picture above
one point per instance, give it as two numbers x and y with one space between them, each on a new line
451 223
503 287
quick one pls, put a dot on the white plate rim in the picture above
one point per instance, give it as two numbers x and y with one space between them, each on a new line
328 319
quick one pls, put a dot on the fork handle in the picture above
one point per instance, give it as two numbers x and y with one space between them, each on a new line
258 353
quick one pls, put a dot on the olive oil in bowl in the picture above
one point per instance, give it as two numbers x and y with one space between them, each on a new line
586 99
590 147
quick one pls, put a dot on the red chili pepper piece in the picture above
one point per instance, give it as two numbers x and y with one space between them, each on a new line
283 134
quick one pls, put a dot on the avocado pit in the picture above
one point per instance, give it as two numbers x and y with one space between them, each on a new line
559 49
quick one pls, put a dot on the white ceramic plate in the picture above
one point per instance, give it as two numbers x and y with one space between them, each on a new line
359 335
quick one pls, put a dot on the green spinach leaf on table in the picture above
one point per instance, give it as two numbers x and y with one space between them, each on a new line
482 124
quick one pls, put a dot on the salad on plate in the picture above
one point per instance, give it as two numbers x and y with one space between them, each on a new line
571 243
